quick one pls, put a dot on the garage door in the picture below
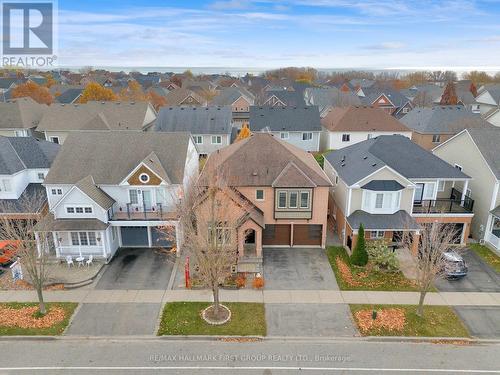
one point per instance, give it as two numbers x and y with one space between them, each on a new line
161 237
134 236
278 234
307 234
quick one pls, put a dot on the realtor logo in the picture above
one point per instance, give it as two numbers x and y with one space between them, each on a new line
28 33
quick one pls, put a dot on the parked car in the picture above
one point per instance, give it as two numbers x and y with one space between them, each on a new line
455 266
8 252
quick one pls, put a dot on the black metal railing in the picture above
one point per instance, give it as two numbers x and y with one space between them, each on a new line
468 202
442 205
139 212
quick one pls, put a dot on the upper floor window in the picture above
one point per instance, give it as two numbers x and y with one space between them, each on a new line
259 194
56 191
346 137
304 199
381 201
41 176
216 139
459 167
293 199
307 136
54 139
282 199
436 138
5 185
78 209
284 135
441 185
133 196
406 110
198 139
377 234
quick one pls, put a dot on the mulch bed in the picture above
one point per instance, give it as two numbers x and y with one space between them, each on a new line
24 317
392 319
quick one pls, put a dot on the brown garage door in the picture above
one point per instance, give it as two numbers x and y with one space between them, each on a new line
278 234
307 234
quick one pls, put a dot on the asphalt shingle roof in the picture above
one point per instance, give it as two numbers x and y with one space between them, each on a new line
230 94
304 118
21 113
488 142
196 120
356 162
19 153
400 220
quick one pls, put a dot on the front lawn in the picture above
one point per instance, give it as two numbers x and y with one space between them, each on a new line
23 319
487 255
402 320
350 277
184 318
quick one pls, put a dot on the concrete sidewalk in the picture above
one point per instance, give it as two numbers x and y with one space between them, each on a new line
265 296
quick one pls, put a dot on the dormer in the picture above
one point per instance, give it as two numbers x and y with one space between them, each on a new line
149 172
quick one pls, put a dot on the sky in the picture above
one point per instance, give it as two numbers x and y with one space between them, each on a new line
457 34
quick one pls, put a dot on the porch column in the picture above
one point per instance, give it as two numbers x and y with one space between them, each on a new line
464 192
38 247
104 241
56 243
150 241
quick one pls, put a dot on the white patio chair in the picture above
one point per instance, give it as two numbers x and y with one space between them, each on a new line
69 260
89 261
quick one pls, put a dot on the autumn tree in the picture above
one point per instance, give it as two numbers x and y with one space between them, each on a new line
95 92
244 132
133 92
50 81
449 96
473 89
36 92
156 100
416 78
478 77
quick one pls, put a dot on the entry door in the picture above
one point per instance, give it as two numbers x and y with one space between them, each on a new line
419 193
146 198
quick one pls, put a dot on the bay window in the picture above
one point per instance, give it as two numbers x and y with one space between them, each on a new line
381 202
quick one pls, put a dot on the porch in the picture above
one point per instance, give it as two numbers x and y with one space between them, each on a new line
458 203
142 212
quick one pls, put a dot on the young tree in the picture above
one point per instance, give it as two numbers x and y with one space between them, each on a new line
21 233
430 263
359 255
449 96
244 132
36 92
95 92
209 219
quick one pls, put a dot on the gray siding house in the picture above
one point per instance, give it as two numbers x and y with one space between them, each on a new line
300 126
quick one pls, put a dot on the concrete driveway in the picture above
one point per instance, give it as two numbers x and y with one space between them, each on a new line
482 321
137 269
115 319
298 268
480 278
311 320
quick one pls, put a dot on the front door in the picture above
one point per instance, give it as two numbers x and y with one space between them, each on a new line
146 198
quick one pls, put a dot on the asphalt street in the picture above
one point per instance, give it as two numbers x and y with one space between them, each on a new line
146 356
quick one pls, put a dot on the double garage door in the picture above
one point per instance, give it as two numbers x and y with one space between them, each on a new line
303 235
138 237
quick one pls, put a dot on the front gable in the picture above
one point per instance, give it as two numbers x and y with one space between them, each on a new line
143 176
189 100
274 101
383 100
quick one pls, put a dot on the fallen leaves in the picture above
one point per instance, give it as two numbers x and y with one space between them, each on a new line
24 317
346 273
391 319
7 283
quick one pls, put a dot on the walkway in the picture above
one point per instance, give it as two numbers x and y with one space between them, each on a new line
265 296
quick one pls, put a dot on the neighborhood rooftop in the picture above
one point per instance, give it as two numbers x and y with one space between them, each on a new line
197 120
22 113
358 161
285 118
488 142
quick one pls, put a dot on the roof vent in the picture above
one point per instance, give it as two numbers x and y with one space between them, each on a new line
365 157
254 173
374 164
342 165
103 102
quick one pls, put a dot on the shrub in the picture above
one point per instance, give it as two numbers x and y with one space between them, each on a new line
241 281
381 256
258 282
359 255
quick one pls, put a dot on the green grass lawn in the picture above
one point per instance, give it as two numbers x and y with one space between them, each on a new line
487 255
438 321
184 318
54 330
368 279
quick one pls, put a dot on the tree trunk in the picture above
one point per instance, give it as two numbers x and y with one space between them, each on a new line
215 290
420 308
41 302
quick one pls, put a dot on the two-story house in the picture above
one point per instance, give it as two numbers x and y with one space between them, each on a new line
300 126
20 117
283 190
24 163
488 98
390 185
240 100
346 126
477 153
210 127
183 96
117 189
59 120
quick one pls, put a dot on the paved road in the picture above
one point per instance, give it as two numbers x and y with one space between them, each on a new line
480 278
298 268
482 321
268 357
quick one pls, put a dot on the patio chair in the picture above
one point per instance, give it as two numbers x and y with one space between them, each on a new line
89 261
69 260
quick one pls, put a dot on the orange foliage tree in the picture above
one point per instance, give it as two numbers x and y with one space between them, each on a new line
244 133
95 92
133 93
34 91
156 100
449 96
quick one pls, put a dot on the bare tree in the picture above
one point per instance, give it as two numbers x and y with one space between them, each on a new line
209 216
430 263
20 230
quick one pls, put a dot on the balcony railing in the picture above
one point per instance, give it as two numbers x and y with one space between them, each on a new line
454 204
142 212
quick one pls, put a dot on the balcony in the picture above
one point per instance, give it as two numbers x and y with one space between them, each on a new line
452 205
142 212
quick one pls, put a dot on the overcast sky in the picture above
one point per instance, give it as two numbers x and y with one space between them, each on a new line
457 34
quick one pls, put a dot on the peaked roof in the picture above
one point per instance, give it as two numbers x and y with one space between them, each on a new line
152 161
278 118
488 142
109 157
22 113
449 119
178 96
361 119
19 153
353 163
95 116
229 95
197 120
88 187
260 160
292 176
288 97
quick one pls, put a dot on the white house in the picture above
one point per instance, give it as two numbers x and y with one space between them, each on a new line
117 189
488 99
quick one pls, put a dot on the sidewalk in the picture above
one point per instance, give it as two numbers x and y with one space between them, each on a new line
266 296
